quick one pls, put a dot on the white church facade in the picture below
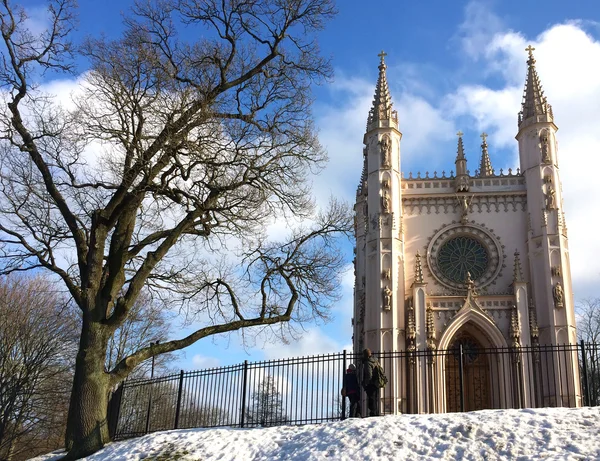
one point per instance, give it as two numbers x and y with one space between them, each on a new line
476 258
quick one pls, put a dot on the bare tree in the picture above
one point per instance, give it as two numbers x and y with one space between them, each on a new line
588 320
175 149
38 341
266 406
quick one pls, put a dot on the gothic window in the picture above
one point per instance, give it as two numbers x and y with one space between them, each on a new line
460 255
460 248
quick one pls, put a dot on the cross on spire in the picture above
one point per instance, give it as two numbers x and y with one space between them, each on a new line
382 56
483 136
459 134
530 49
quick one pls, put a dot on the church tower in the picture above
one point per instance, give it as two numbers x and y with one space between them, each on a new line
547 242
379 263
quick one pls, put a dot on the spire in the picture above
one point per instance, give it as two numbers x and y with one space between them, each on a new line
517 272
485 167
418 269
460 152
461 182
534 102
382 101
533 325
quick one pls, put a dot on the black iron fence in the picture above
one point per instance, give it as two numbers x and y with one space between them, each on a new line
307 389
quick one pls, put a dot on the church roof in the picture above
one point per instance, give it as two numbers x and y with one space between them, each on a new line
534 101
382 101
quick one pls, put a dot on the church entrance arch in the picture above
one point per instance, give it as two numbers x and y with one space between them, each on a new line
476 372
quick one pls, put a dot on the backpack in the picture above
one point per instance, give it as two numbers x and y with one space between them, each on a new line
379 379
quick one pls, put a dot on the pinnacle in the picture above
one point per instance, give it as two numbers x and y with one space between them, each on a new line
382 101
418 269
485 167
517 271
534 101
460 153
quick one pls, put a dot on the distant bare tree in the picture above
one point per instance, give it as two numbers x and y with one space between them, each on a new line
175 148
588 320
38 343
147 323
266 406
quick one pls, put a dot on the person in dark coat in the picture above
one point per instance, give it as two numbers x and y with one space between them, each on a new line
372 391
351 389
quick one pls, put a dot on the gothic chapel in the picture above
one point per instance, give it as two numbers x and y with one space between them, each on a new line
474 259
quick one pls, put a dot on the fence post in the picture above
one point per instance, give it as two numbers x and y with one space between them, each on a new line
343 396
461 370
244 382
586 387
149 406
179 400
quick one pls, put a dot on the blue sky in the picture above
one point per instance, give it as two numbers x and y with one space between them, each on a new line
451 65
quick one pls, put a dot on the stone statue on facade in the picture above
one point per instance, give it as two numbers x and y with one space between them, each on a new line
545 147
386 148
387 298
385 202
551 198
559 295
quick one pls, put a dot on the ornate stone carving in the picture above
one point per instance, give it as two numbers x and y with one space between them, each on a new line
387 298
430 325
385 146
558 294
556 272
533 325
386 274
515 328
470 285
481 204
411 330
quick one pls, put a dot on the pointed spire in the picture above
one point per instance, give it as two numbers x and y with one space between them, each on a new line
485 167
418 269
534 102
382 101
517 271
461 182
460 152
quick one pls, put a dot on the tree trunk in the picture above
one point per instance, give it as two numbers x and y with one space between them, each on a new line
87 425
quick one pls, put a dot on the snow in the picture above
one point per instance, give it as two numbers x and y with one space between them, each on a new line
549 434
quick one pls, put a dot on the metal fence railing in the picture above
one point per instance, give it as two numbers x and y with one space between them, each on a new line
306 390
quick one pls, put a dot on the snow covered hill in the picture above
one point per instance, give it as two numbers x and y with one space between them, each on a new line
549 434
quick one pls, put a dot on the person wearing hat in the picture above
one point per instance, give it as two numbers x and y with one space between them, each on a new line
351 389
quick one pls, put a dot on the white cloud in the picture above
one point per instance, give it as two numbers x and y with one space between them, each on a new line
480 25
201 361
313 341
568 63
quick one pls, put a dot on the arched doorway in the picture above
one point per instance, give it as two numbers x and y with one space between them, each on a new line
476 377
